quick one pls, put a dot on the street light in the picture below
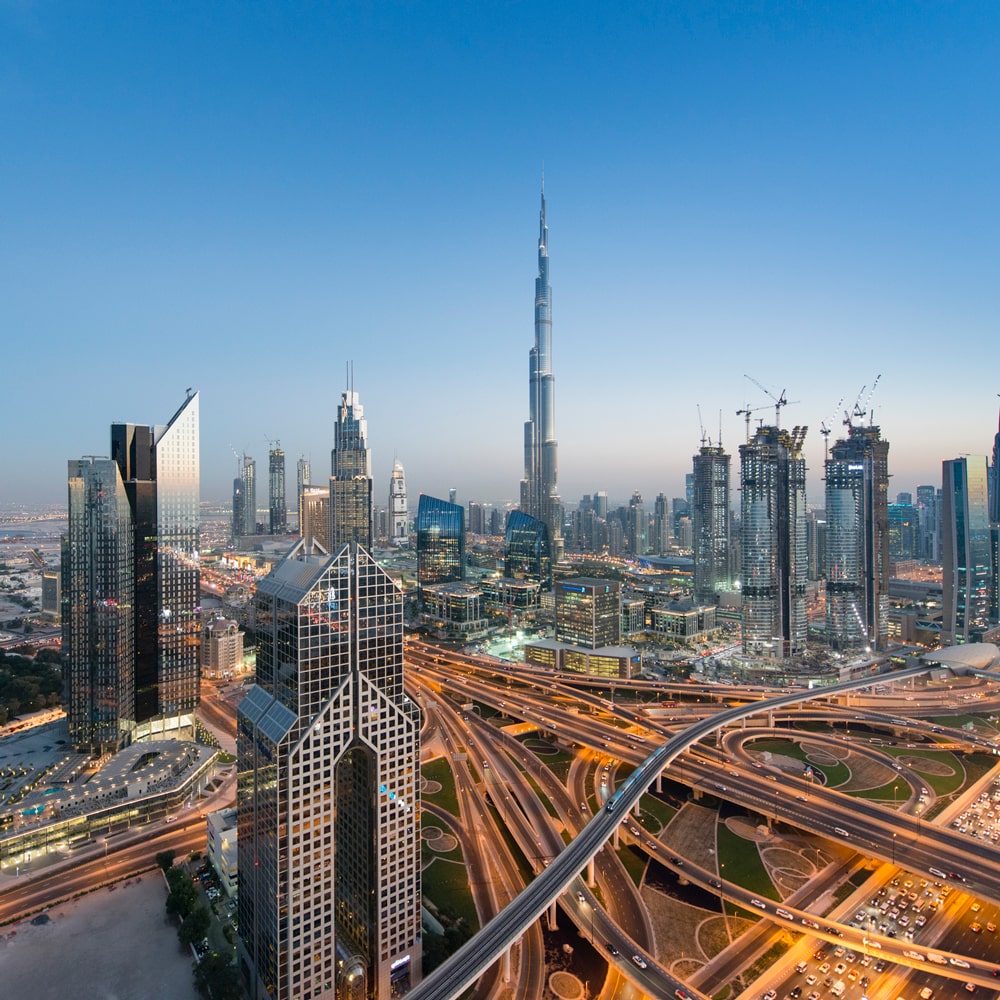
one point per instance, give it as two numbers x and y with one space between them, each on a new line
894 849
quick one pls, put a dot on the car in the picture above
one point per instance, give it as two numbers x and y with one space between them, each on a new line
721 788
839 969
715 883
769 995
795 992
677 861
581 898
758 903
824 969
959 963
991 927
975 927
926 993
976 907
970 987
640 962
612 950
811 980
819 954
813 996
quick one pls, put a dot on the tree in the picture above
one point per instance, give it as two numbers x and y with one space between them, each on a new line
165 859
195 925
182 896
216 978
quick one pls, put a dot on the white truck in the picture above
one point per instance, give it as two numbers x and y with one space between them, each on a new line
837 990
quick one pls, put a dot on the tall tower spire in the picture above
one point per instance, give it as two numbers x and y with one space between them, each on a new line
539 491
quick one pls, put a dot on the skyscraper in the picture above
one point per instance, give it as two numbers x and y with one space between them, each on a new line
710 517
98 588
965 549
773 543
245 499
857 541
399 515
328 750
440 541
277 505
149 666
351 495
636 525
539 492
527 552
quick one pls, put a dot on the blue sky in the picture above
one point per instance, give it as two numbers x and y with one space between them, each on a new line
244 198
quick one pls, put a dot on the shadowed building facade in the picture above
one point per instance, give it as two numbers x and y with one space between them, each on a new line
328 787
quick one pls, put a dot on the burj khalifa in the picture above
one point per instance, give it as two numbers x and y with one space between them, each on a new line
539 492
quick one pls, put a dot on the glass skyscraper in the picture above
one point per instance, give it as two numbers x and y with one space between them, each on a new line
351 497
328 751
160 468
277 505
773 543
440 541
965 549
98 588
857 541
539 490
710 517
527 552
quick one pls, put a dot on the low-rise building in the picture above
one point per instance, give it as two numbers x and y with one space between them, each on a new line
222 848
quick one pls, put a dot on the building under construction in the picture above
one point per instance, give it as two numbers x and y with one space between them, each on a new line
857 541
773 543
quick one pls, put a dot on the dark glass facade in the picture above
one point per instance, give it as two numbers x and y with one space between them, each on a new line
277 505
440 541
527 552
589 612
351 496
97 608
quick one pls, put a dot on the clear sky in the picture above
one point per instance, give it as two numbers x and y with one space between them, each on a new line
245 197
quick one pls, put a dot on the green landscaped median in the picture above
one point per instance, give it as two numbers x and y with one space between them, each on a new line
445 883
740 863
943 784
439 770
835 774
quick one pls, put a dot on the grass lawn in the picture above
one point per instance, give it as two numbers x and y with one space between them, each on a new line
446 884
634 862
652 807
439 770
943 784
836 774
740 862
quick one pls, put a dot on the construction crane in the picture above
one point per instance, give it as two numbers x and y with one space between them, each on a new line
746 411
859 410
701 424
826 429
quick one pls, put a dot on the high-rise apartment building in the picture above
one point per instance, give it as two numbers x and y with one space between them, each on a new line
399 513
636 525
904 531
351 493
857 541
314 514
98 588
303 477
773 562
929 517
440 541
539 490
710 523
965 549
662 533
328 787
245 499
276 502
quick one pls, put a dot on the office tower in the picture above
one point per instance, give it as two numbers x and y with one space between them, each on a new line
773 557
680 508
527 550
496 521
601 504
929 546
277 506
160 468
303 478
245 499
477 518
904 498
440 541
351 495
904 531
589 612
328 754
98 587
399 516
660 542
965 549
452 494
314 514
539 492
710 523
857 541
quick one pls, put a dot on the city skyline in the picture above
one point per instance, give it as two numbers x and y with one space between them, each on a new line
804 198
